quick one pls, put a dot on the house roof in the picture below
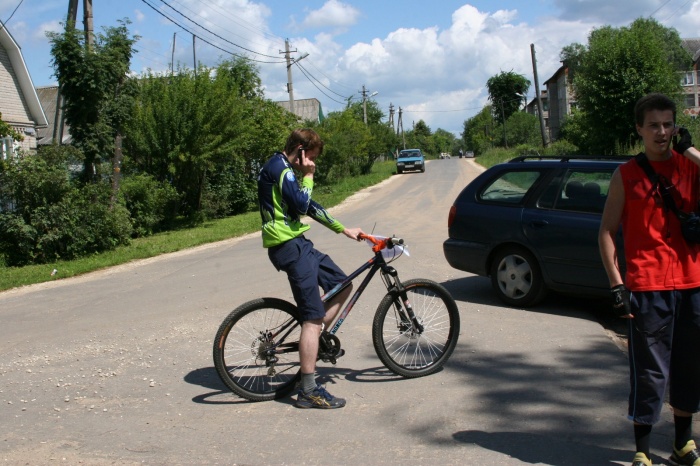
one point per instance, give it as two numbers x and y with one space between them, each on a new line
47 97
693 47
306 109
22 73
556 74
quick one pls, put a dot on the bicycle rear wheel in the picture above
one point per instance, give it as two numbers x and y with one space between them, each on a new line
405 350
256 349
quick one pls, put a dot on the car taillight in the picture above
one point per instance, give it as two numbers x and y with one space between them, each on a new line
451 216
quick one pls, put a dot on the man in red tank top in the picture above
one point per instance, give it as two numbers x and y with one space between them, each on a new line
660 292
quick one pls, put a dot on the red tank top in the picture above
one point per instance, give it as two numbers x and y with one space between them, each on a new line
660 259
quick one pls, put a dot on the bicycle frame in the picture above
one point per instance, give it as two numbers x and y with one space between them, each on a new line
391 281
374 264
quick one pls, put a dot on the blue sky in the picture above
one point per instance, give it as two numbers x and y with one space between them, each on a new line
431 58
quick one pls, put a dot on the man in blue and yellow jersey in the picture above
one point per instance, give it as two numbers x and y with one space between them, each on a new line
283 200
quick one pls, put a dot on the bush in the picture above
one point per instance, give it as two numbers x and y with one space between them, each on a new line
152 205
229 192
561 147
48 217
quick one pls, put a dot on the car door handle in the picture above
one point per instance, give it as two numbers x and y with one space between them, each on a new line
539 223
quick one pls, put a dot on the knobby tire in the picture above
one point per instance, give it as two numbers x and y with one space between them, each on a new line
240 345
403 350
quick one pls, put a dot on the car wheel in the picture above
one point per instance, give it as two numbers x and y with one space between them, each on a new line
422 170
399 171
516 277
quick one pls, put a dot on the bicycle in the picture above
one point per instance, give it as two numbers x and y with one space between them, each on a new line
256 344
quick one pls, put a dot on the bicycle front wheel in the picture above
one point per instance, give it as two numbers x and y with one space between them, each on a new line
256 350
402 348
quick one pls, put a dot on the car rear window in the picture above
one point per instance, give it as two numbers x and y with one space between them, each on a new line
510 187
578 191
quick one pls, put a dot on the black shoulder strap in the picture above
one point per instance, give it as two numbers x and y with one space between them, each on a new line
643 162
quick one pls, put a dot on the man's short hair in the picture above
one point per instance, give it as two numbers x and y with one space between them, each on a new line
305 137
654 101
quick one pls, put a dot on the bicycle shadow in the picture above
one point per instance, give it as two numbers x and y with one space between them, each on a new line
207 377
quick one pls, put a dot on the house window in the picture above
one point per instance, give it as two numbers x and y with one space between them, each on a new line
688 78
690 100
6 147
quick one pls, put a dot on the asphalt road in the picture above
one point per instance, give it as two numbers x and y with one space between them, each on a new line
115 367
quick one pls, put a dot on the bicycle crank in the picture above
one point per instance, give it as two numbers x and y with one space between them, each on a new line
329 349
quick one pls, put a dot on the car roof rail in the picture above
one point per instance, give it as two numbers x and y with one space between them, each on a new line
566 158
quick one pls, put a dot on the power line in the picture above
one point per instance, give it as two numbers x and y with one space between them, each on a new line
310 62
662 5
2 24
215 34
318 81
319 89
223 13
203 39
676 11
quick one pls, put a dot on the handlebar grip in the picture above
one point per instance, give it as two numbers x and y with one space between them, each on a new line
396 240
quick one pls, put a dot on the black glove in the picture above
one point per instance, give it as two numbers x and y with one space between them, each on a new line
682 142
621 300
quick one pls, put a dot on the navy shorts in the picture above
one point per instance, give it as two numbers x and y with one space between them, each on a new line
664 349
306 269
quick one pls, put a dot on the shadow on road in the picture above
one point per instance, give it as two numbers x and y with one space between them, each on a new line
477 290
545 449
327 375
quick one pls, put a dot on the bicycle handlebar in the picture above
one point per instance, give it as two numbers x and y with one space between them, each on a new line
380 243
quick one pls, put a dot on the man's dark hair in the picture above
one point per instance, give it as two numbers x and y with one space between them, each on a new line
654 101
305 137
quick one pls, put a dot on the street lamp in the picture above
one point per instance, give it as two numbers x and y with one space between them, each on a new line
364 101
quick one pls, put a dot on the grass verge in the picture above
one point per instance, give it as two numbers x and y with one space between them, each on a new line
172 241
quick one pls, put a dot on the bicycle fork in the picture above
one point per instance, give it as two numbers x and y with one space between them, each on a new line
408 321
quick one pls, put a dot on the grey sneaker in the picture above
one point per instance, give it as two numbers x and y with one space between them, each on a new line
319 398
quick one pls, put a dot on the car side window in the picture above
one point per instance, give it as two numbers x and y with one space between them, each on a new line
510 188
578 191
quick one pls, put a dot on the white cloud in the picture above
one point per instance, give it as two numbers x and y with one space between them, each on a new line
333 14
439 75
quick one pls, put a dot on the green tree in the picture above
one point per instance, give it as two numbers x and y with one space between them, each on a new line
7 130
479 131
207 134
619 66
521 128
443 141
97 95
507 91
420 137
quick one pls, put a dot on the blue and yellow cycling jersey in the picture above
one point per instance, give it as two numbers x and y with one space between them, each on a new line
283 201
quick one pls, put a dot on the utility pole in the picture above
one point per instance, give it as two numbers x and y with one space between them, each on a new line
172 56
503 115
364 103
399 128
290 62
540 113
391 116
87 23
58 119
